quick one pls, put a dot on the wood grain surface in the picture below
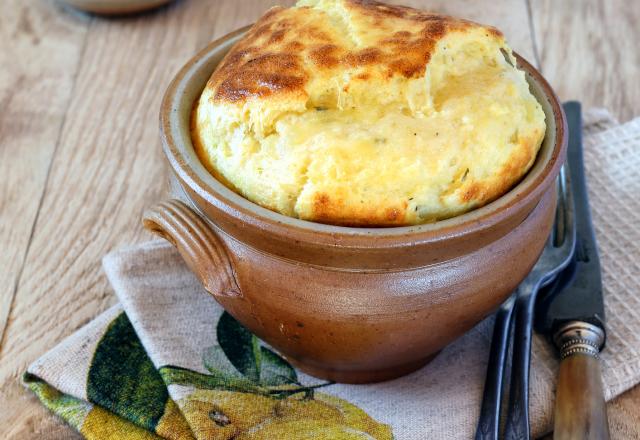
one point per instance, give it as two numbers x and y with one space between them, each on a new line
33 100
588 51
80 157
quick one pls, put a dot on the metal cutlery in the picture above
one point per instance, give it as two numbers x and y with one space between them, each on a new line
573 315
570 311
516 316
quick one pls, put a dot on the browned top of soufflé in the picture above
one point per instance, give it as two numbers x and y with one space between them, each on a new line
271 59
357 113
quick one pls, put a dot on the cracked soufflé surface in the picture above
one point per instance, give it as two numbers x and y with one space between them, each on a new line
357 113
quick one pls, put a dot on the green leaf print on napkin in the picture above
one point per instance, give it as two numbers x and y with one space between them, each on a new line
241 347
275 370
122 378
252 393
243 350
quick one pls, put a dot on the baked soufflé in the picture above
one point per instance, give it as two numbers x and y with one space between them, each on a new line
357 113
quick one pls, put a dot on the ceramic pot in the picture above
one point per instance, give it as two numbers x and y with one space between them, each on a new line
115 7
350 304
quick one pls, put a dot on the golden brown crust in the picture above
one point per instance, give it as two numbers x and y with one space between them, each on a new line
356 113
483 192
332 209
284 49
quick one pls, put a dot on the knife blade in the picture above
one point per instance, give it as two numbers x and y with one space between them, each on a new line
572 313
578 291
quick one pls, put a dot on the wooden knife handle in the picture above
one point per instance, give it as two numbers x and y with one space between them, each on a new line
580 413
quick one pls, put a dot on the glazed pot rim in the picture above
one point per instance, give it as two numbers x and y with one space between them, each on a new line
181 155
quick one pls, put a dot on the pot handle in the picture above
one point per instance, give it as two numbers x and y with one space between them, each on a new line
202 250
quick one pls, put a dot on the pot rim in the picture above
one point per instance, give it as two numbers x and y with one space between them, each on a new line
185 164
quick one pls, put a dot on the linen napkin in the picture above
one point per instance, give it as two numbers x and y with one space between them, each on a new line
168 362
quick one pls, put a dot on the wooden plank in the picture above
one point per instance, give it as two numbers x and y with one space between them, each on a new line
507 15
109 167
588 51
41 47
624 416
24 418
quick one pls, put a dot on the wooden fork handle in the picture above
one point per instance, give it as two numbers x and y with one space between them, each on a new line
580 412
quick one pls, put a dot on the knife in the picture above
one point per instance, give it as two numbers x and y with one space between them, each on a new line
572 314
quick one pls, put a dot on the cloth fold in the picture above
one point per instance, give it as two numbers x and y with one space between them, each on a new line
168 362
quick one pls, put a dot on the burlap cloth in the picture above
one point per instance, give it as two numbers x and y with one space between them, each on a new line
167 366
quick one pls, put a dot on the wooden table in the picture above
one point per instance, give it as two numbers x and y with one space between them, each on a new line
80 157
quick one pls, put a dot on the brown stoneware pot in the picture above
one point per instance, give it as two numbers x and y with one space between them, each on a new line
115 7
350 304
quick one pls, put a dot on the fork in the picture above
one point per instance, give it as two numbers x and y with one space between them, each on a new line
515 318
